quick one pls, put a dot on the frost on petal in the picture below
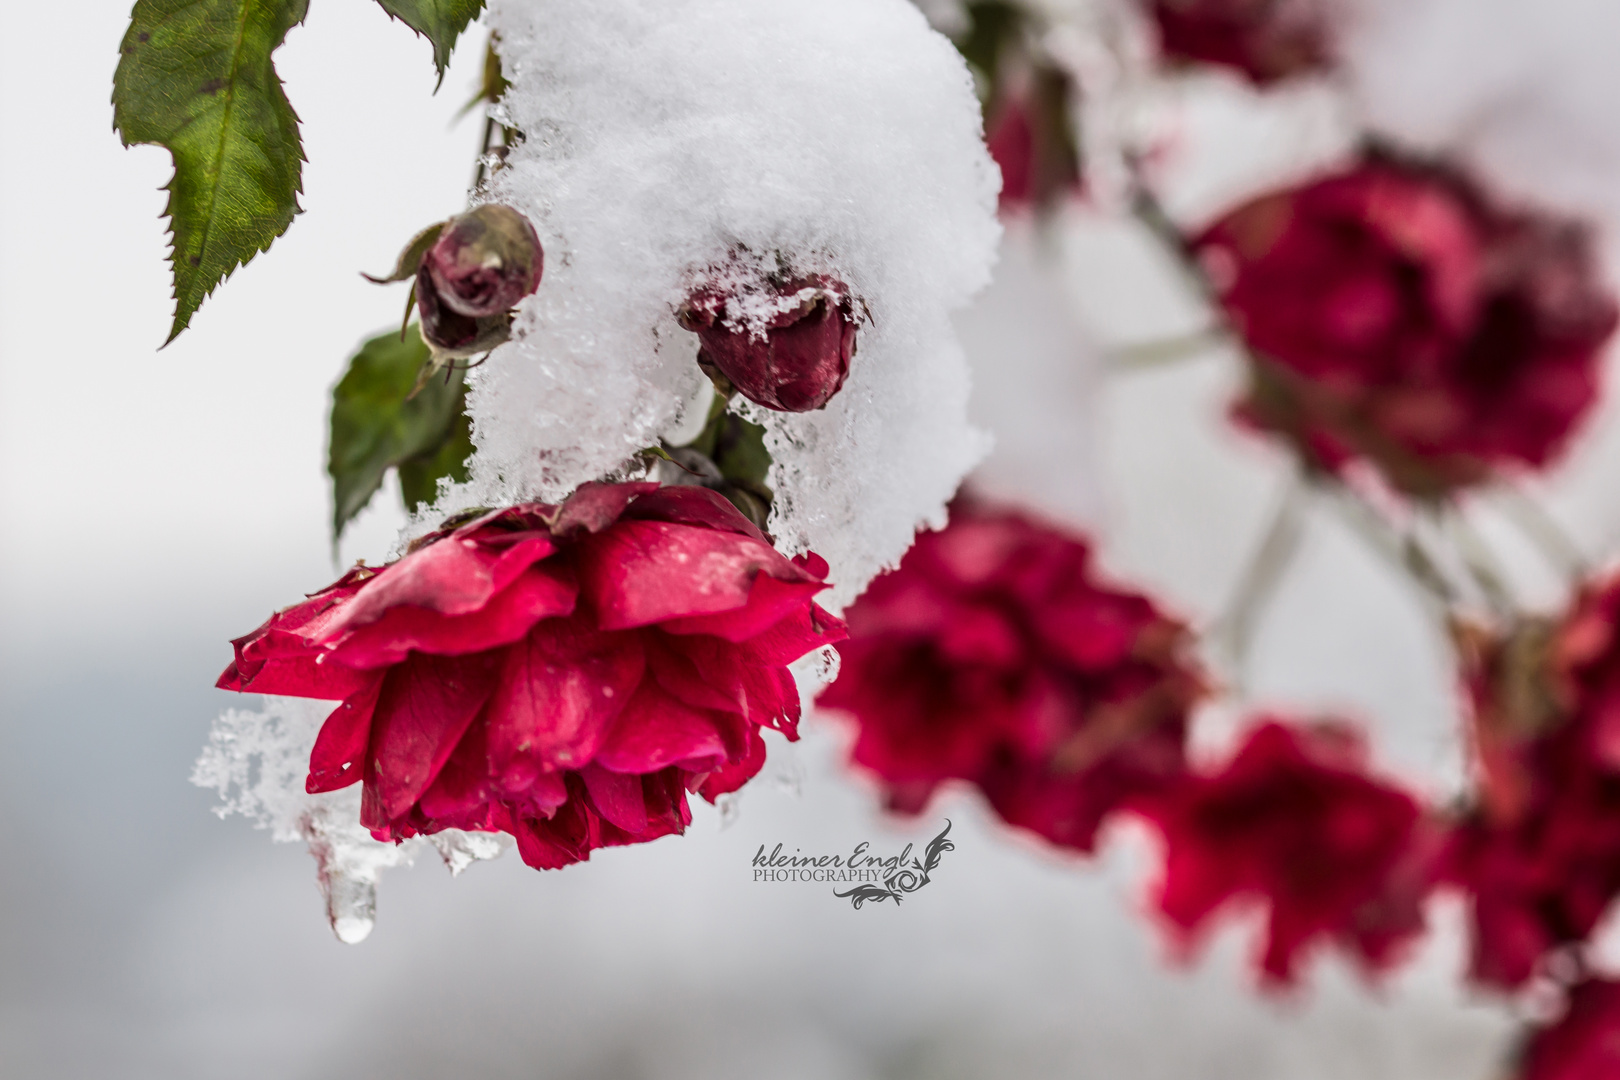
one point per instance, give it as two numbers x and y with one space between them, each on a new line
257 762
665 140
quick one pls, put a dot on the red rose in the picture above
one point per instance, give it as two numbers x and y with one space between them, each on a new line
1584 1044
1539 855
475 272
789 351
992 655
562 673
1267 40
1394 315
1031 138
1294 822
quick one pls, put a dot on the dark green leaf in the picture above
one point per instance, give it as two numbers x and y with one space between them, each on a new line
377 425
195 76
419 476
440 21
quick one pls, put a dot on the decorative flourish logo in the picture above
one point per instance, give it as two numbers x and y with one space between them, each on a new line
874 878
906 877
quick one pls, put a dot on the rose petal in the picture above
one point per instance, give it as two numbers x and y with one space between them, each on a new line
595 506
452 576
656 731
540 592
642 572
425 706
617 797
339 756
560 690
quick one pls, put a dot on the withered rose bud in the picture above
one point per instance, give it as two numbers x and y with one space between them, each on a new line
470 273
789 352
484 261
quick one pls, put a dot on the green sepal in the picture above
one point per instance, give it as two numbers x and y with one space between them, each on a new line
196 77
411 258
377 424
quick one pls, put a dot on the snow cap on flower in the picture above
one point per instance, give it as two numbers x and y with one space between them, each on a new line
1539 853
992 655
785 347
1583 1043
661 137
1295 822
1266 40
562 673
1396 316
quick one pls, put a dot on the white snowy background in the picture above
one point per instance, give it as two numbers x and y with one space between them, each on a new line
157 504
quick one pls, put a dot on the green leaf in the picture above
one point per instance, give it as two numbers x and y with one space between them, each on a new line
419 476
195 76
440 21
378 425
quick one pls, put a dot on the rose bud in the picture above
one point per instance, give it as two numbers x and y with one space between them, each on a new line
790 353
470 273
484 261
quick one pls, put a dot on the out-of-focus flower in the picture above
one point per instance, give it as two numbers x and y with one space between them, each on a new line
1032 138
1395 316
1539 854
1584 1044
1267 40
1295 822
993 655
562 673
787 348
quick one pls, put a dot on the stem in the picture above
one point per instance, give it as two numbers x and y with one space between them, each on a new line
1404 551
1139 356
1549 537
1273 556
1481 563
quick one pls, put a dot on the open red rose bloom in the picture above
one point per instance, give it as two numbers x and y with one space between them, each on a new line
1539 854
993 656
1295 822
1397 317
562 673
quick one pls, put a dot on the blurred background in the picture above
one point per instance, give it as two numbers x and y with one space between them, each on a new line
158 503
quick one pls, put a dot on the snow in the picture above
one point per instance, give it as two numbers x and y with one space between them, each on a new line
666 138
257 762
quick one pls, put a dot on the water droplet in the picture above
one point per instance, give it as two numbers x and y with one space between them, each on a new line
351 906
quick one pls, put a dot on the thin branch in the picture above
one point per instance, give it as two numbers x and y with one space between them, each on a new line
1235 628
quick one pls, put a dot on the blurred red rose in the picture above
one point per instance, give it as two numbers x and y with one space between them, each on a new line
1295 822
789 352
1031 136
562 673
1539 854
1267 40
993 655
1584 1044
1394 315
